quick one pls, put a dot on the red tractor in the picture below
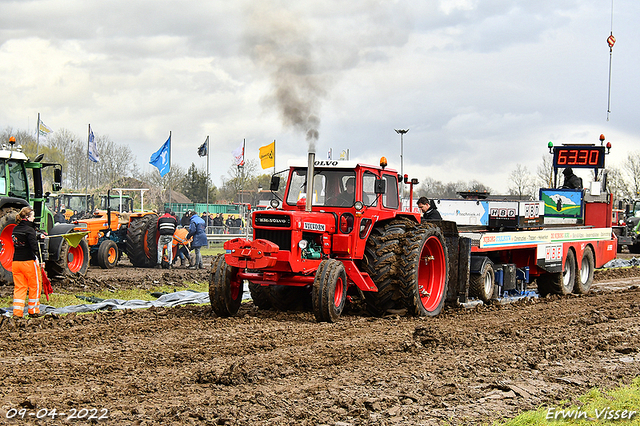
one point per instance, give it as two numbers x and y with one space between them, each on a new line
346 238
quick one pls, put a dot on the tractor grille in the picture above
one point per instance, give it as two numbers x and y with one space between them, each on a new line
281 238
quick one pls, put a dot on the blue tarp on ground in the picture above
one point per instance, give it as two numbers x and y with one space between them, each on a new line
621 263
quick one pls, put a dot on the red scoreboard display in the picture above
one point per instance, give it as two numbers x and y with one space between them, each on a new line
588 156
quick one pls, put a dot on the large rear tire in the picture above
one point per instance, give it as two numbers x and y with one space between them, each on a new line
72 260
481 285
7 223
260 296
225 289
142 241
329 293
424 269
108 254
381 263
584 277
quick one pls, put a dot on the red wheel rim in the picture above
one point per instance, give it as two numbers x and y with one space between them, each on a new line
235 288
6 251
339 293
431 274
75 258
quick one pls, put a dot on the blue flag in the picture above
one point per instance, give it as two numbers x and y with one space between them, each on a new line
93 147
162 158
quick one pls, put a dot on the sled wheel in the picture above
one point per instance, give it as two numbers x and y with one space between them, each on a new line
584 278
7 223
424 270
225 289
559 282
481 285
329 292
108 254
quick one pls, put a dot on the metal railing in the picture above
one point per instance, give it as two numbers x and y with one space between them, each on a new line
223 233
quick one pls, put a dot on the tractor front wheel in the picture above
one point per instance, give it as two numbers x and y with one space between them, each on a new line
108 254
72 260
225 289
329 293
7 223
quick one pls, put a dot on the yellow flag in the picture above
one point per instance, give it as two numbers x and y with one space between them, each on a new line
268 155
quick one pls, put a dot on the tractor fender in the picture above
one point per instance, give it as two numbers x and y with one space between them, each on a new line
55 244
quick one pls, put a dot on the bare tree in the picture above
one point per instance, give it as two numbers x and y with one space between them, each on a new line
632 168
521 182
544 175
239 180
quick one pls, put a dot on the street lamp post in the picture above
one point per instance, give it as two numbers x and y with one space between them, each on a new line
401 132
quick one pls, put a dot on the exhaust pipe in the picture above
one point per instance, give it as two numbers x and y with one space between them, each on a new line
310 172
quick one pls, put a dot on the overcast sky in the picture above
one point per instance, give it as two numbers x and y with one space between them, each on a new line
482 85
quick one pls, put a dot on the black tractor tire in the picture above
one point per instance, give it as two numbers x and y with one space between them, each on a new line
584 277
225 290
260 296
72 260
634 248
381 262
424 268
108 254
482 285
329 293
559 282
142 241
289 298
7 223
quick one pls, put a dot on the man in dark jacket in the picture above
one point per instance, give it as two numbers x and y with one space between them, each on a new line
571 181
167 225
429 209
197 231
59 217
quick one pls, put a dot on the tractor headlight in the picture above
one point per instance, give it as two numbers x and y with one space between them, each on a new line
303 244
359 205
274 203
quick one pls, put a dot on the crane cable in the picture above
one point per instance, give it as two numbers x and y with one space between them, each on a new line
611 40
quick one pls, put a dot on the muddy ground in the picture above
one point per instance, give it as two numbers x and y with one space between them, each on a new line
185 366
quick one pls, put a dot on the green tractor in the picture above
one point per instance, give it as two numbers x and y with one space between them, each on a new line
61 255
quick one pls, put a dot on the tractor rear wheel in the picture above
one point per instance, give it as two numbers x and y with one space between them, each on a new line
72 260
329 293
225 289
381 263
584 277
7 223
108 254
424 269
260 296
142 241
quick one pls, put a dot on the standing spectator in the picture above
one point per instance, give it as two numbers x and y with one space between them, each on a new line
230 224
26 266
184 221
196 230
218 223
59 217
167 224
239 225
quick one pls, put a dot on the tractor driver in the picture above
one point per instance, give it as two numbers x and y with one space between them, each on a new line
347 197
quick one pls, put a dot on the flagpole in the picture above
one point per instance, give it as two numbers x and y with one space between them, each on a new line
274 156
170 166
86 182
38 134
207 183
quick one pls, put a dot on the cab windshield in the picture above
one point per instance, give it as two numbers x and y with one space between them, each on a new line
331 188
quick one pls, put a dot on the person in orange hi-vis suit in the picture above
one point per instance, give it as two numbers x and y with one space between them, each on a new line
180 240
26 267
